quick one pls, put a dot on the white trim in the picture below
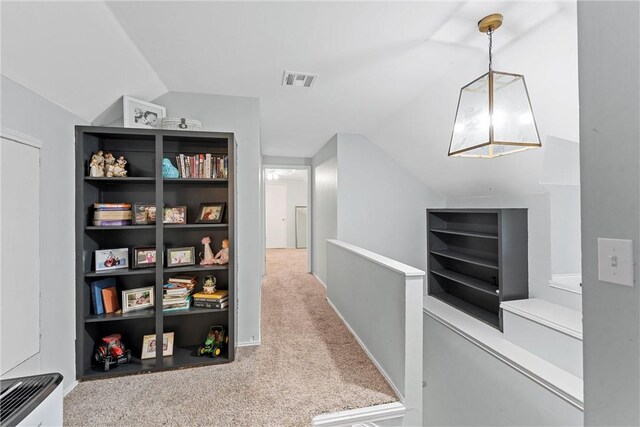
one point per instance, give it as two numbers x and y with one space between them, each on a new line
248 343
21 138
368 414
556 380
556 317
71 387
366 350
564 287
389 263
319 280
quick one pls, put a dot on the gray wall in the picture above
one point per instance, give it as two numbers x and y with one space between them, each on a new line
609 46
324 204
466 386
241 116
29 113
381 206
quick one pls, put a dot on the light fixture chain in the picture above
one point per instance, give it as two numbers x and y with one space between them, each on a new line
490 34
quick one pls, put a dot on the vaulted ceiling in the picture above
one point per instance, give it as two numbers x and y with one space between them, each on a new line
373 58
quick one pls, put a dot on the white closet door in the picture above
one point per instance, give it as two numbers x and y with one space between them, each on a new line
19 253
276 215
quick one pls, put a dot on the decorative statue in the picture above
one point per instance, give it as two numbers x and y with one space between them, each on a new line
96 165
209 285
222 257
168 170
208 258
118 169
109 163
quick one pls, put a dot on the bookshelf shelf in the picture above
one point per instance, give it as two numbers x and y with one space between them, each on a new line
144 150
477 258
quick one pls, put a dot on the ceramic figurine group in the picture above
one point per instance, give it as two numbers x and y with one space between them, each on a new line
105 164
221 258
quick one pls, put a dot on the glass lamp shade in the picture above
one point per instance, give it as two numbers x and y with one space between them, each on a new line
494 118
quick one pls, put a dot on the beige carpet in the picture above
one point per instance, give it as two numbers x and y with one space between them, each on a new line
308 364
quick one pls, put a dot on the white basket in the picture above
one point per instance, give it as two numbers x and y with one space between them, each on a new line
176 123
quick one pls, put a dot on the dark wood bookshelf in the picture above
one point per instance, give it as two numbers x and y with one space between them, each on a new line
144 150
477 258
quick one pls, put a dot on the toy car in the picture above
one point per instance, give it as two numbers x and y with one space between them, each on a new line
216 340
111 351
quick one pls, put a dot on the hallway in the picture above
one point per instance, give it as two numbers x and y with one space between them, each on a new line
308 364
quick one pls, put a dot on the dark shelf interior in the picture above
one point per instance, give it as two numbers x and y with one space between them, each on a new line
471 259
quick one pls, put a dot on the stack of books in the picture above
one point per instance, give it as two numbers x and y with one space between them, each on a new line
104 296
188 281
202 166
175 297
217 300
111 214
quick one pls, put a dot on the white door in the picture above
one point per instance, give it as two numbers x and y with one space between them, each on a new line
276 212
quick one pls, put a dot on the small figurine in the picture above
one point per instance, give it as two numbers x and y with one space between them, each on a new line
111 351
222 257
109 163
96 165
168 170
118 169
208 258
216 339
209 285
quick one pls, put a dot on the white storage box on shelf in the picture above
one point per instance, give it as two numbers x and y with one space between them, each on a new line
548 330
177 123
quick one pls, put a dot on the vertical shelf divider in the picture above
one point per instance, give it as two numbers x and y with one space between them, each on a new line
159 252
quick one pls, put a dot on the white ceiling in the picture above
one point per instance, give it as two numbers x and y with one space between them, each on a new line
374 59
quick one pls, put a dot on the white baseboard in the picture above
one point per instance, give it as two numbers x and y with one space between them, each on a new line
71 387
366 350
367 415
319 280
248 343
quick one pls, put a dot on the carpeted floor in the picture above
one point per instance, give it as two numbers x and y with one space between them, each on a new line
308 364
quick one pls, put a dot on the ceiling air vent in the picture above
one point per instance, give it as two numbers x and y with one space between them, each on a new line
292 78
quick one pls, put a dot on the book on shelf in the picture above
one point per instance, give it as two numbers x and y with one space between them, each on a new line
111 215
115 223
214 305
183 281
112 206
96 293
219 295
202 166
110 299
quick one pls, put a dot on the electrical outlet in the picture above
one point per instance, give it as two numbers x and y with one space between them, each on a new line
615 261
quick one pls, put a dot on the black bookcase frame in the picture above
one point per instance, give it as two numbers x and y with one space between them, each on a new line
478 258
144 150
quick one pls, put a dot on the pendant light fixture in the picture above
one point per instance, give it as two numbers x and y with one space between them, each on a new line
494 115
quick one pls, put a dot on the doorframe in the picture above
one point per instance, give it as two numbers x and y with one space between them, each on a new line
263 188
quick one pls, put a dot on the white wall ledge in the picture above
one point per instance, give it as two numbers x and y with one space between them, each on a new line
554 316
389 263
549 376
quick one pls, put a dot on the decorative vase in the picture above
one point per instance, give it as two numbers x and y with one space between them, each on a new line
168 170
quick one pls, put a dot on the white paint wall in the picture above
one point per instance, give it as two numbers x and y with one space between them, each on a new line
324 204
609 43
29 113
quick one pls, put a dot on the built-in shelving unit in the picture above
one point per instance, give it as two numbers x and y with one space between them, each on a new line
477 258
144 150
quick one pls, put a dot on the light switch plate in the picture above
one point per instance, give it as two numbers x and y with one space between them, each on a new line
615 261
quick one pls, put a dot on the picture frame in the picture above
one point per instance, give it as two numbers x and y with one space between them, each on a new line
111 259
179 257
149 345
144 214
137 299
174 215
211 213
142 114
143 257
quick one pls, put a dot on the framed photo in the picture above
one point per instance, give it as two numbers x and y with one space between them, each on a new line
177 257
141 114
144 214
174 215
211 213
144 257
149 345
111 259
137 299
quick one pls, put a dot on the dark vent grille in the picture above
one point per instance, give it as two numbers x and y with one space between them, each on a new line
292 78
18 393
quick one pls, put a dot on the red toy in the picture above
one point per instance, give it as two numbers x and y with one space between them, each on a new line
111 351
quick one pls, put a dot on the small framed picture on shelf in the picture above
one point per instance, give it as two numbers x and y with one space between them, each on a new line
142 114
137 299
149 345
174 215
144 257
111 259
144 214
178 257
211 213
